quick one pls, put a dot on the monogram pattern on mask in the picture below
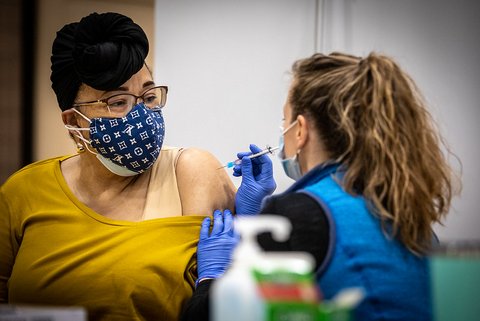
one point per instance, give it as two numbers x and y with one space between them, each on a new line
133 141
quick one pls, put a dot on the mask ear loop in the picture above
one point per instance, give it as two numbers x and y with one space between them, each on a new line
78 130
289 127
80 136
84 117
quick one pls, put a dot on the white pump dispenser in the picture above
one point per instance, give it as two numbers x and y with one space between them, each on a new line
249 227
234 296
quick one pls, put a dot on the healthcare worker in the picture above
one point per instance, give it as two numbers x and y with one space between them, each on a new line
371 180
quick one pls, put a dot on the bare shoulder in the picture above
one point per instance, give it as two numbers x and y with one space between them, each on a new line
203 187
191 156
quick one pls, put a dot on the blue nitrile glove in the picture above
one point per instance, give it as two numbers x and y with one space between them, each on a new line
257 181
215 249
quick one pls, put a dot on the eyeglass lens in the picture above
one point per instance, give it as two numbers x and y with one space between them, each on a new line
152 98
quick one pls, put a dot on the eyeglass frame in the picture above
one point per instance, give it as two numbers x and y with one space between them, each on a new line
104 100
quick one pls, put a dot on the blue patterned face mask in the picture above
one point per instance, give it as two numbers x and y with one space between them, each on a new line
128 145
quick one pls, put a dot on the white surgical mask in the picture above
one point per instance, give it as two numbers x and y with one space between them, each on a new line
290 165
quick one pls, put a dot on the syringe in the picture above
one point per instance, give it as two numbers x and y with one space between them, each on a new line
238 161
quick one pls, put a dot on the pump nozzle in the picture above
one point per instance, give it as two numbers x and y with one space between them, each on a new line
250 226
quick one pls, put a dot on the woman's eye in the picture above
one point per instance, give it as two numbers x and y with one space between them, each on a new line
118 103
150 99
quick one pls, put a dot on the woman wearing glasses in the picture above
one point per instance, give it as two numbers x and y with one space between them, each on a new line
113 228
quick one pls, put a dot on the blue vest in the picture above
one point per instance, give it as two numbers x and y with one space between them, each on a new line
396 282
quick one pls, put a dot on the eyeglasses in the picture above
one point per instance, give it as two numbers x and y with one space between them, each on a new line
120 105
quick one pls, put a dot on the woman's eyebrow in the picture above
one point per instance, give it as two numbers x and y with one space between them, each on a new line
116 89
148 83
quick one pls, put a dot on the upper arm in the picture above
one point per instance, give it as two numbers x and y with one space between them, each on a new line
202 186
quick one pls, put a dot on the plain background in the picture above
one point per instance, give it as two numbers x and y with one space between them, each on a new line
227 65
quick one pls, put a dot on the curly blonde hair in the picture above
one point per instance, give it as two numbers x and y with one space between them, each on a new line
372 119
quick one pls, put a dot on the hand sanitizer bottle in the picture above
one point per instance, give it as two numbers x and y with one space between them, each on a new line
235 295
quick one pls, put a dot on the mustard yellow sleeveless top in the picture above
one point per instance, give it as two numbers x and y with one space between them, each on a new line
54 250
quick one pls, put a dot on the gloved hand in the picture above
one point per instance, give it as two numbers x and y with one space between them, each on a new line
257 181
214 251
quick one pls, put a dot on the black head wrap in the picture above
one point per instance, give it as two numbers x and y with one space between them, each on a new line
102 51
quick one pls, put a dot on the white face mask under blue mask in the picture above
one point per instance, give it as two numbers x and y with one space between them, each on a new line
291 166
